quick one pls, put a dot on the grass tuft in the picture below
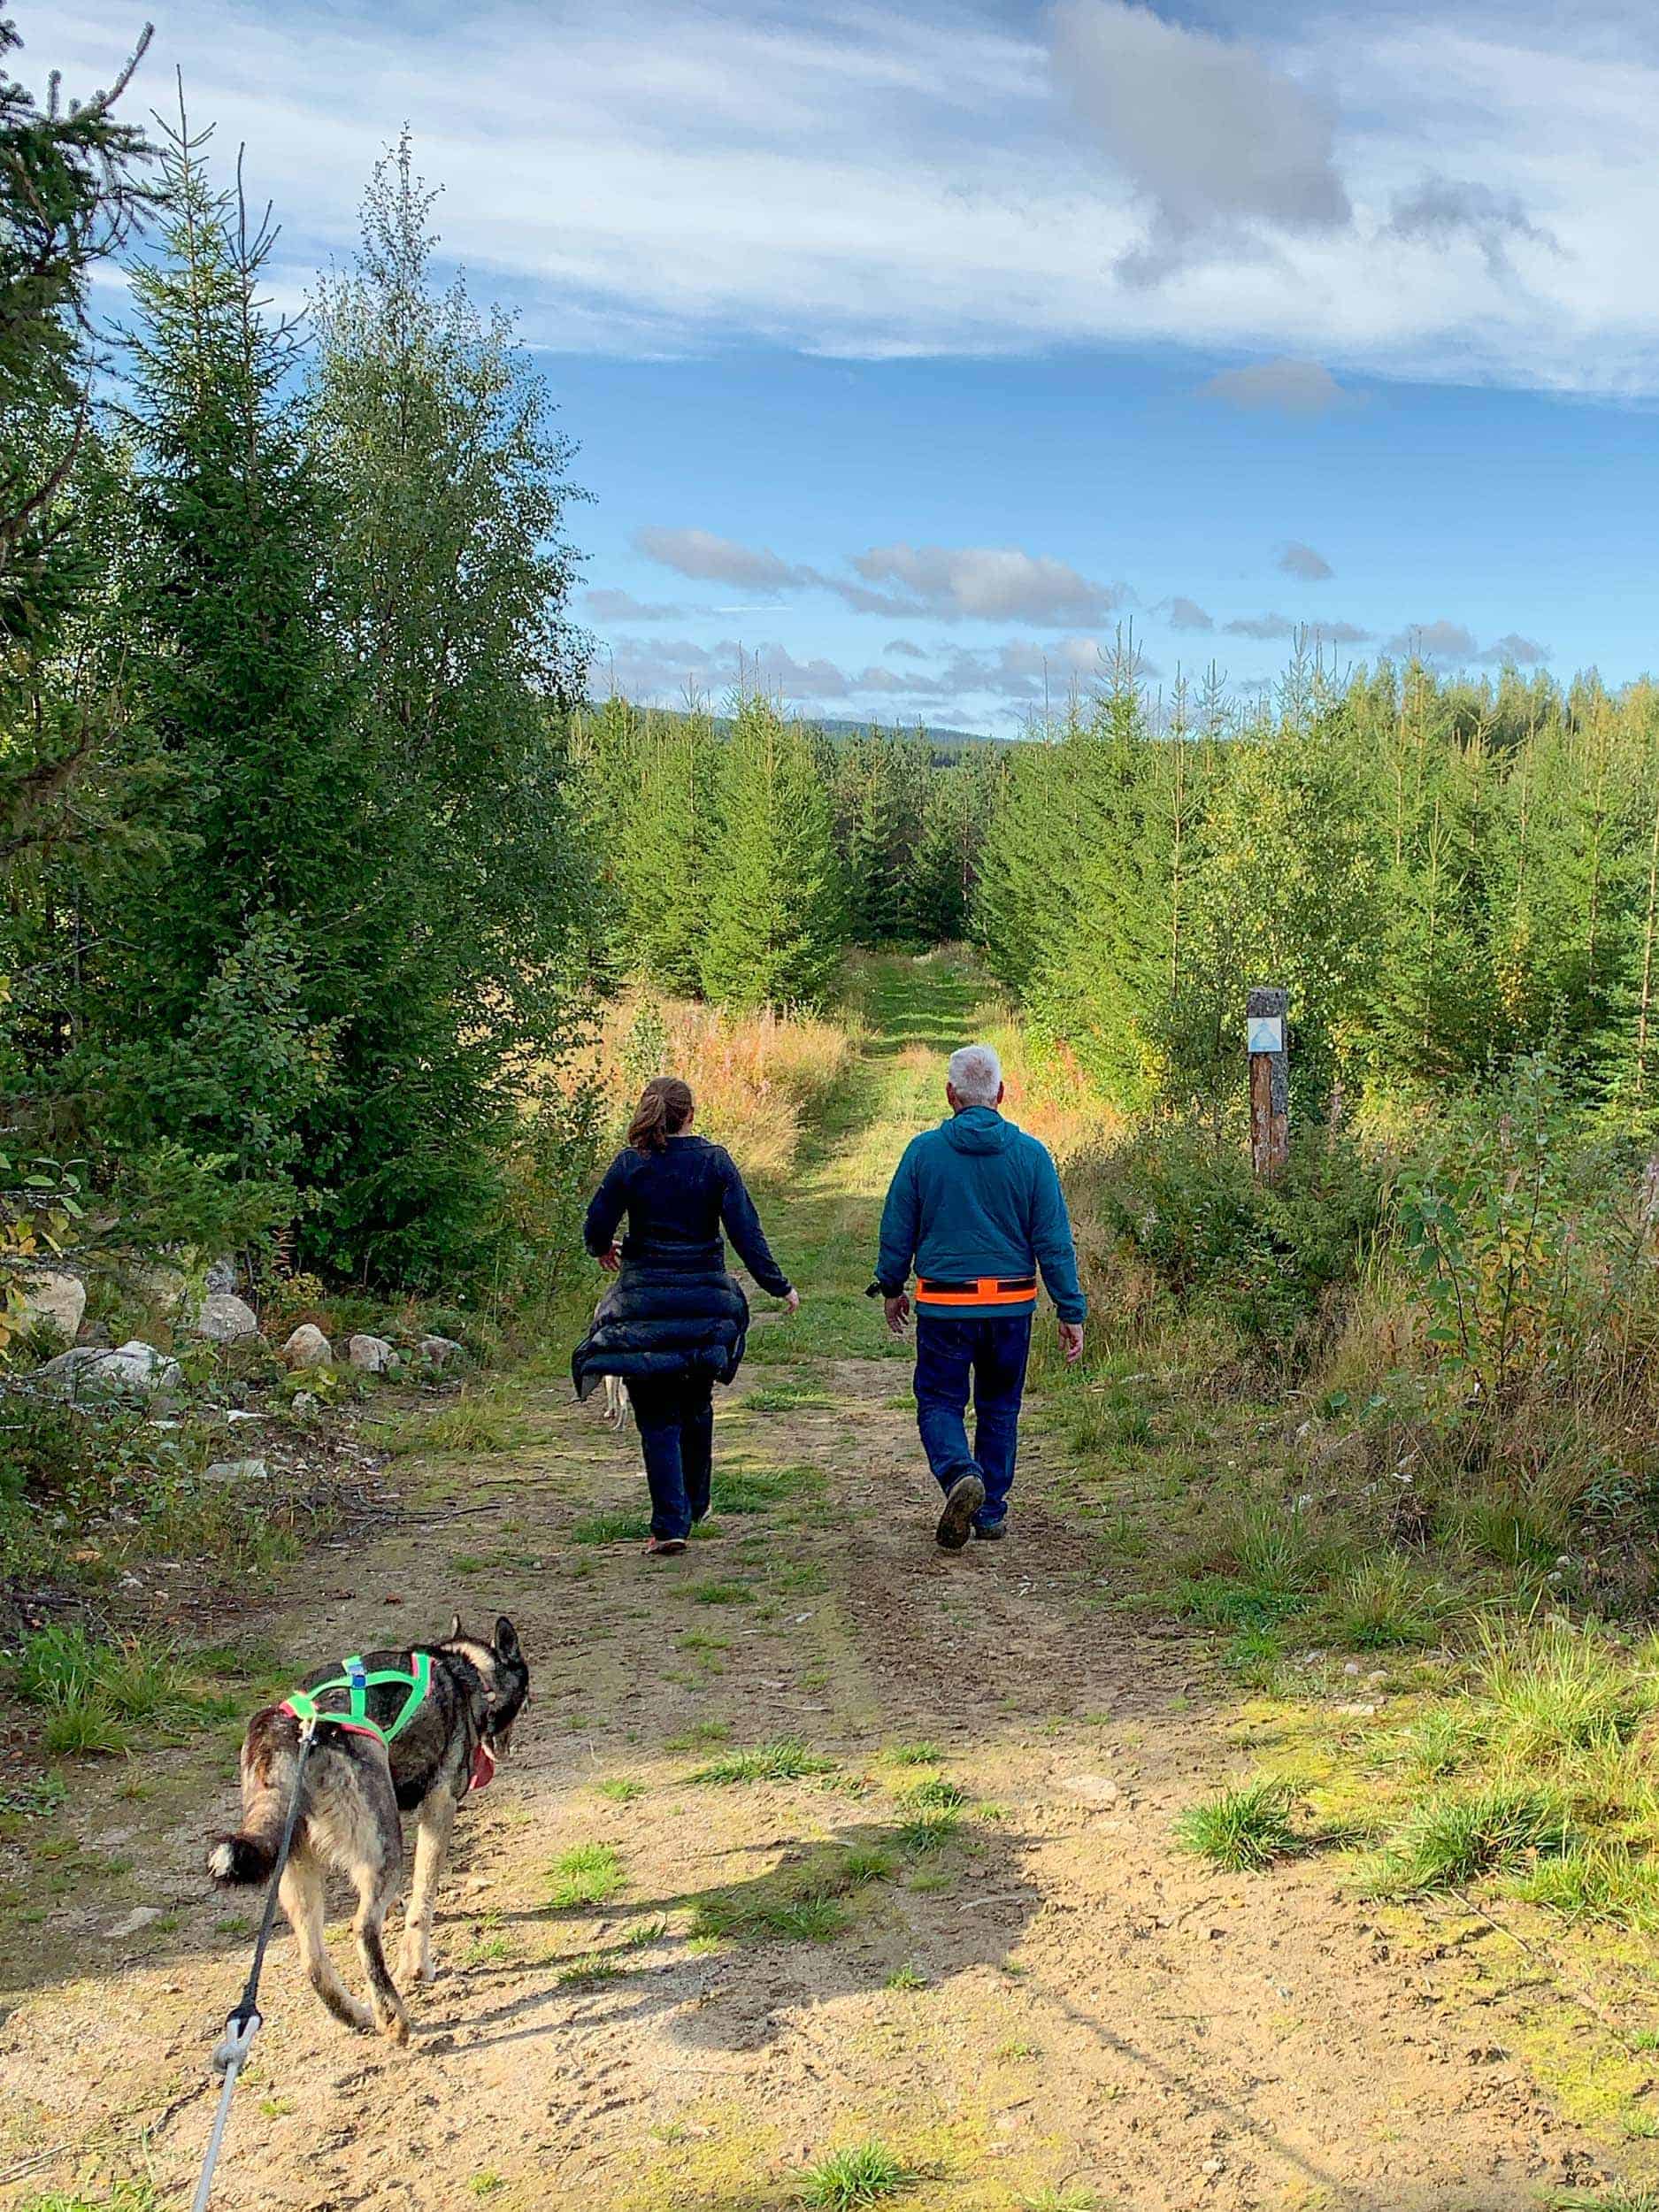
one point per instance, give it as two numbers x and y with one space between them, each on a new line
591 1874
1243 1830
1455 1836
784 1759
846 2180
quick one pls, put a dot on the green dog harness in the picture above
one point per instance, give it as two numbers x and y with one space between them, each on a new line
357 1682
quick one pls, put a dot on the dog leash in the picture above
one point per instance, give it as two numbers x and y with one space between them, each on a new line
233 2048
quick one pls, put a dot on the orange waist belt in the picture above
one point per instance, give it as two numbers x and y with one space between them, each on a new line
985 1290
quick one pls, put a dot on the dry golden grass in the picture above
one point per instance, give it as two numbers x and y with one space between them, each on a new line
756 1077
1048 1092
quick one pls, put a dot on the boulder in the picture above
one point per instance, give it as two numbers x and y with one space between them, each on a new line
308 1346
221 1276
371 1355
55 1300
224 1318
89 1376
237 1471
163 1286
442 1351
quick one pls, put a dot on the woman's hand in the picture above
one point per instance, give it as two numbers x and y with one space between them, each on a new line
609 1260
792 1301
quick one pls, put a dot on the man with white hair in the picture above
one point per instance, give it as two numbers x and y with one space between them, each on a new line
977 1209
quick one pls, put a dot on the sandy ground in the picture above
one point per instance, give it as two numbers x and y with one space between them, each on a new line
1052 1999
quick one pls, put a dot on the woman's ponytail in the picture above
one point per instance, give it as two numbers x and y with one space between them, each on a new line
664 1110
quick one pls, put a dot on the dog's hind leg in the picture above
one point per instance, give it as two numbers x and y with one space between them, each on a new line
377 1883
301 1896
376 1868
434 1824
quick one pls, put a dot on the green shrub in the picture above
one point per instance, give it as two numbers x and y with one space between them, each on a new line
1183 1201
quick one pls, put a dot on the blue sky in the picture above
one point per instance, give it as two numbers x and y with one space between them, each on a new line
913 351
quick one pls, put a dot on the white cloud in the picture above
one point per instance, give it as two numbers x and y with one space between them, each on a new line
700 555
1187 614
622 606
1215 140
1296 388
643 178
942 583
1521 652
1296 559
1446 211
978 584
1442 641
1261 625
1270 627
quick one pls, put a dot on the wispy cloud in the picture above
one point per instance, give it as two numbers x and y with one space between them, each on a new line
1216 142
706 559
1293 387
642 177
1452 645
940 583
1299 560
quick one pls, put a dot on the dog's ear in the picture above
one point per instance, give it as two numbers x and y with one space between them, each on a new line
454 1630
507 1638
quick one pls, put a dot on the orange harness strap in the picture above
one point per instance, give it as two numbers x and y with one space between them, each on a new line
987 1290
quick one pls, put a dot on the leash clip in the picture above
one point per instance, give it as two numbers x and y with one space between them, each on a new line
233 2048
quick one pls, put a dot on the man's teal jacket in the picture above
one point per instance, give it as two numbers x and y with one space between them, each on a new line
978 1197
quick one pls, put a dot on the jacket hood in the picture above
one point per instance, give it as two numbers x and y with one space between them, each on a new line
978 1129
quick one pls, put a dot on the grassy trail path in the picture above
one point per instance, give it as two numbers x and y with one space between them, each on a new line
936 1902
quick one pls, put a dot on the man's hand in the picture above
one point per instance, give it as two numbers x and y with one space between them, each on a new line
898 1312
1071 1341
792 1301
609 1260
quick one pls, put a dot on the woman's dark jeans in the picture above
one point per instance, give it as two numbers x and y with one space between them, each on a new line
676 1418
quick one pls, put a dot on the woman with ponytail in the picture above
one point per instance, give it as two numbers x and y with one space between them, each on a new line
674 1322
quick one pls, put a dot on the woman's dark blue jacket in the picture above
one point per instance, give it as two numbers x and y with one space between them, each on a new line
673 1310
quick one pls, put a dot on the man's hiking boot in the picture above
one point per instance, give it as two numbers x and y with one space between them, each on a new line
962 1500
665 1548
990 1531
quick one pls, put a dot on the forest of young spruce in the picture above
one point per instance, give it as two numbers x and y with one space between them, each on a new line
343 910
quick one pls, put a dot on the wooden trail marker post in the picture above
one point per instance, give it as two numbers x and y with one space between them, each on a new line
1266 1012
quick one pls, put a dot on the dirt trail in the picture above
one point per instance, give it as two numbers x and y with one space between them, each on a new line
1046 1996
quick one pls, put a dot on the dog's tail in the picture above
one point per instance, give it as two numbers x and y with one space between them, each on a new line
269 1772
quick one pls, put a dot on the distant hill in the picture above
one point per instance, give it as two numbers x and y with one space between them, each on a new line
943 740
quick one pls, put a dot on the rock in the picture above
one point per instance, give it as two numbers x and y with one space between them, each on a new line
237 1471
304 1402
163 1286
88 1375
221 1278
1094 1789
224 1318
308 1346
372 1355
139 1917
56 1299
442 1351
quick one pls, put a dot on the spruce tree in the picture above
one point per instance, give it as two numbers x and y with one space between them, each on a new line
452 574
211 994
775 920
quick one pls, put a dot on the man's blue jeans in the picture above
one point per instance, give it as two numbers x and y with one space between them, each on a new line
987 1353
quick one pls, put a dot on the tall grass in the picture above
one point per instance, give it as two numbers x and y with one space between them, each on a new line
757 1078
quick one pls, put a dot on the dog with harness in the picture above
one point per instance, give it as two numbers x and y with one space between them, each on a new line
411 1730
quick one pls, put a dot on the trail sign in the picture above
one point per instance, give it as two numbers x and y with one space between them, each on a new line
1266 1008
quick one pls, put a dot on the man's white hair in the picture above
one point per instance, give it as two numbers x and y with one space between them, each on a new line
976 1075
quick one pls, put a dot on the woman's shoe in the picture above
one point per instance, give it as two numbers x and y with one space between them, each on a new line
665 1548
